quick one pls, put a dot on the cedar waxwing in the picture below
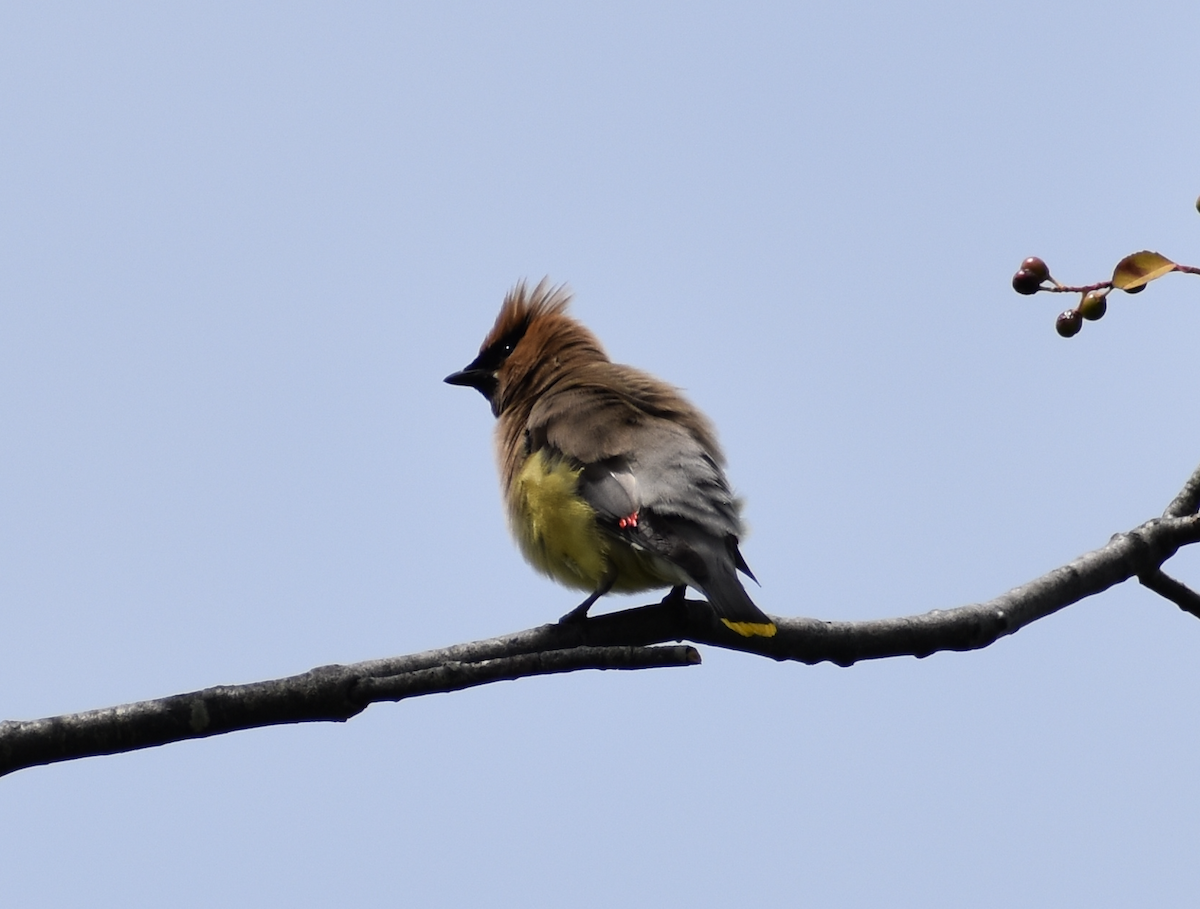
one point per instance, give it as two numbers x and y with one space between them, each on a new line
613 481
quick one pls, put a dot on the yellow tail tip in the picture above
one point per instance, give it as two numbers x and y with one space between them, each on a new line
751 629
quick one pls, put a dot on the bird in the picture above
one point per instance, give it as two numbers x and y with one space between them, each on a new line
612 479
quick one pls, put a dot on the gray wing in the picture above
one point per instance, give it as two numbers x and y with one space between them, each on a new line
638 462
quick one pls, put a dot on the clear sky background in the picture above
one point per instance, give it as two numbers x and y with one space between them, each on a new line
241 245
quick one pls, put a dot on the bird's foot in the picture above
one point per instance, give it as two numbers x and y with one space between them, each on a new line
578 614
676 596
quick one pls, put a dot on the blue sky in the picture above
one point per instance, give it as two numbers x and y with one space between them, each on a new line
240 246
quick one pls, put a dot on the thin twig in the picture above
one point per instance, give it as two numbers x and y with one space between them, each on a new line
1166 586
1188 500
454 675
1075 288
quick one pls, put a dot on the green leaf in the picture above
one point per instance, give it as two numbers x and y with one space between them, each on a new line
1140 269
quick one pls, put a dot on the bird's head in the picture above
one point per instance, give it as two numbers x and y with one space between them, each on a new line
531 345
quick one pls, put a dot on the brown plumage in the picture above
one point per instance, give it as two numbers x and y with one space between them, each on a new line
612 479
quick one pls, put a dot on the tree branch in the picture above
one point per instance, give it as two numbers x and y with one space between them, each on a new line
328 693
1166 586
1188 500
621 640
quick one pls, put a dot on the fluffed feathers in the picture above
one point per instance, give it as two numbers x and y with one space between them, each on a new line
612 479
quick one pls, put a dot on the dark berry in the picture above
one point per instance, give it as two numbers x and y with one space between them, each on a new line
1026 282
1069 323
1037 268
1135 290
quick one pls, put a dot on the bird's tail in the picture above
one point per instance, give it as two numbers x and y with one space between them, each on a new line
734 607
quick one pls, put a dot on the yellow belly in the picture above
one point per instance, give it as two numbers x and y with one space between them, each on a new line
557 532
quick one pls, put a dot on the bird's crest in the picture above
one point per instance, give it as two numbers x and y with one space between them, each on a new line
522 306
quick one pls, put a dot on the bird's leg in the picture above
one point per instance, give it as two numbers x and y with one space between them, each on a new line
579 613
676 602
676 596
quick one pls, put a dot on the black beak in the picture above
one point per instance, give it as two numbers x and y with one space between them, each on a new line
482 380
